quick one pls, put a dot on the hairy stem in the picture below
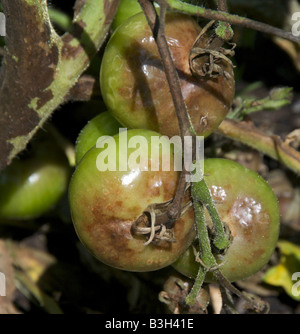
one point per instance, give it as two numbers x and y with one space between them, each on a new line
273 146
205 249
202 231
192 296
230 18
201 193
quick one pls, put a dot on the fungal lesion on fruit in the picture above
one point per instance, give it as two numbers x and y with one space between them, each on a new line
218 193
247 211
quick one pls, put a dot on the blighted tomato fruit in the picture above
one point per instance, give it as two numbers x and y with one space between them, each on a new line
111 187
247 204
134 85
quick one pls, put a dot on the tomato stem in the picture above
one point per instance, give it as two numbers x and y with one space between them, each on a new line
202 194
202 232
233 19
192 296
254 302
271 145
206 255
156 23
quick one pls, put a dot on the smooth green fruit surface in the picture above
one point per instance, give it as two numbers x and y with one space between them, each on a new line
104 204
134 85
126 9
248 206
103 124
31 186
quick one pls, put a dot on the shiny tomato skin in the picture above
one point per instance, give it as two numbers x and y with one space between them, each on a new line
33 184
134 85
104 205
247 204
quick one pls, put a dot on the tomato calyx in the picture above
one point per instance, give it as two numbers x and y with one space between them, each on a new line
208 59
157 222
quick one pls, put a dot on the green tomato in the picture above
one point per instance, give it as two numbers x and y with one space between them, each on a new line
101 125
126 9
248 206
105 203
33 185
134 86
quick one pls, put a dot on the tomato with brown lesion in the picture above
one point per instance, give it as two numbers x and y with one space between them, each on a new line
249 208
106 228
134 85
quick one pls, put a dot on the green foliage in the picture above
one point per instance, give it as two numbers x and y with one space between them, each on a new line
281 275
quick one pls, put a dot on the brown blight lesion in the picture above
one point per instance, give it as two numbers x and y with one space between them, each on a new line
35 79
27 71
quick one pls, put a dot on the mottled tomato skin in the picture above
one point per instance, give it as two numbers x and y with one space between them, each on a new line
105 204
247 204
134 86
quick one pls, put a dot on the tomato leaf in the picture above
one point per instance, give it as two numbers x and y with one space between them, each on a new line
285 273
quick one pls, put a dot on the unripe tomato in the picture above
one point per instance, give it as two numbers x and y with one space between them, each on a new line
134 85
126 9
101 125
247 204
105 204
32 185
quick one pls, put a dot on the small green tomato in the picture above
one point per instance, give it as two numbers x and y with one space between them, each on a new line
33 185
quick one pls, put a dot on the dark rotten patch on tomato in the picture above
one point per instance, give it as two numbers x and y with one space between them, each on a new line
110 237
132 75
104 205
